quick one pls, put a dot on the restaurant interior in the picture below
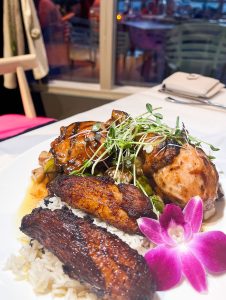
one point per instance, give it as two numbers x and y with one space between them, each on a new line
98 51
143 40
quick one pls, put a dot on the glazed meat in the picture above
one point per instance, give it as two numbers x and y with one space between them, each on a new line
162 155
77 143
176 172
90 254
119 205
117 117
188 172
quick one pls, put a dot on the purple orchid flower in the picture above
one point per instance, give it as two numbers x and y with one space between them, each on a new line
181 249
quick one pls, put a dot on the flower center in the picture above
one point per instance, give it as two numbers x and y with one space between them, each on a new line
176 232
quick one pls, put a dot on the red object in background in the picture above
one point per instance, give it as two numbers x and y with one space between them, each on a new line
85 8
68 16
154 7
12 125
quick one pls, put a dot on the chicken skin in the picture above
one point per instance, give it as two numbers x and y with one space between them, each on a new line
187 172
77 143
81 141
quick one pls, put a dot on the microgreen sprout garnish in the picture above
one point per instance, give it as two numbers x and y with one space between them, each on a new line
126 138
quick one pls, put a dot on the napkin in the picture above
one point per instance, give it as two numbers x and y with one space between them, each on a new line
12 124
191 85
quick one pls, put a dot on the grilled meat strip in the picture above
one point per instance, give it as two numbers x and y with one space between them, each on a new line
119 205
90 254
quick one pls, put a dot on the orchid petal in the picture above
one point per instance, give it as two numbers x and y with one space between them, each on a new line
210 248
165 267
168 237
187 231
193 213
151 229
194 271
171 213
171 218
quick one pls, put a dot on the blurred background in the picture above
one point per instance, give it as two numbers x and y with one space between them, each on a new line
153 39
103 50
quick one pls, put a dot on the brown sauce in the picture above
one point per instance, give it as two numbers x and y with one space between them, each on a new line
34 194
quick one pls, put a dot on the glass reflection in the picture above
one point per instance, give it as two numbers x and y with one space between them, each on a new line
71 35
163 36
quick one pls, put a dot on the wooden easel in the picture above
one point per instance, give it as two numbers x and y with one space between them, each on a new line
19 64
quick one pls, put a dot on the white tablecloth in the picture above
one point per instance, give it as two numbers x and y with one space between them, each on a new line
204 122
207 123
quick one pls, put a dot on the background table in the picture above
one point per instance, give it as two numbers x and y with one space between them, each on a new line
149 25
149 37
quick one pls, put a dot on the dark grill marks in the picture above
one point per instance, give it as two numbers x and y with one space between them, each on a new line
90 254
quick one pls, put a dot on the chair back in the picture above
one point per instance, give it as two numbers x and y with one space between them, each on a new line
122 43
95 29
84 36
82 32
196 47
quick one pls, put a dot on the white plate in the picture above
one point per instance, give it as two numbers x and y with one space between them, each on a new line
14 180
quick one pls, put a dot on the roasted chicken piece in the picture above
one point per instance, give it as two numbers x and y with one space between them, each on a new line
90 254
79 142
119 205
117 117
180 173
162 155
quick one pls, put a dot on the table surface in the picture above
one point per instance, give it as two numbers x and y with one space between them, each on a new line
206 123
149 25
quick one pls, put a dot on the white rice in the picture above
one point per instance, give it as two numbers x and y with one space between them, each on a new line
44 270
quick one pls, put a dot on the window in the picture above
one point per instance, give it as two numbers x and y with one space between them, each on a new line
158 37
71 35
132 42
